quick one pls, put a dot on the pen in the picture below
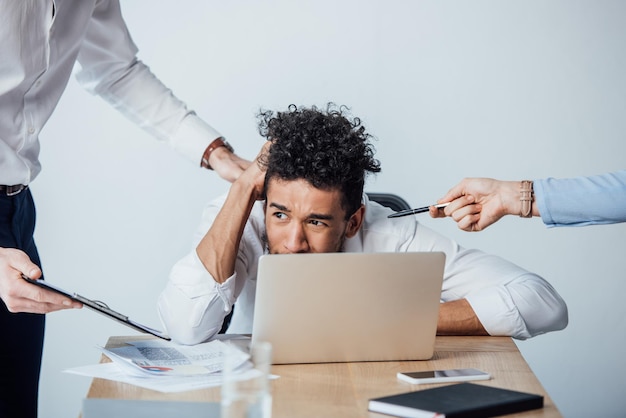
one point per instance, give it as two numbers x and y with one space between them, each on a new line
416 210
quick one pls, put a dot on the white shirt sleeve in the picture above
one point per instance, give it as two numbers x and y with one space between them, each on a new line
507 299
110 69
192 307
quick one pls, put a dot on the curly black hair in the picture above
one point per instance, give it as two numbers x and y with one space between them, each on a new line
327 148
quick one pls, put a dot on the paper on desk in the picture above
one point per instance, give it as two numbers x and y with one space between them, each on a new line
165 366
111 371
160 357
170 384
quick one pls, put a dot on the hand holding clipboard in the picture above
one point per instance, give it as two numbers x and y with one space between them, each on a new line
99 307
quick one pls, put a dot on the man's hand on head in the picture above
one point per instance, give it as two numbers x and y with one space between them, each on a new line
254 175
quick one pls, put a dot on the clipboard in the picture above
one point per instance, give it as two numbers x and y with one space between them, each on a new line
100 307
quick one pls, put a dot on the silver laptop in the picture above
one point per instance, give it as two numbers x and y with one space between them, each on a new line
345 307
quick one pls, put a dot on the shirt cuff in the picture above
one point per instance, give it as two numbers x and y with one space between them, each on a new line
497 313
540 200
226 292
193 137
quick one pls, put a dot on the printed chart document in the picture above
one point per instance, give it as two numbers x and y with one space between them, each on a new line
166 358
165 366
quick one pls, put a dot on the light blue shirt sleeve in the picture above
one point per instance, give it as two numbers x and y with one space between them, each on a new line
582 201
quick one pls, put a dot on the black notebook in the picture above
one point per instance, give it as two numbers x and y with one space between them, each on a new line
464 400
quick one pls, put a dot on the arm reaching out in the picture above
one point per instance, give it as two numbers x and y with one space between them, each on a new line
476 203
227 164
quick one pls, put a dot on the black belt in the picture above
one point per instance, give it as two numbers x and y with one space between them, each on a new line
12 190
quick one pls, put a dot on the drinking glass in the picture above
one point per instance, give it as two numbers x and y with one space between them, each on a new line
246 391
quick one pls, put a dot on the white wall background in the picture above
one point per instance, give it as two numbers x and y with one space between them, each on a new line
505 89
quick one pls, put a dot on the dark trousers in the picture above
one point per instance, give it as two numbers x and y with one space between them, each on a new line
22 333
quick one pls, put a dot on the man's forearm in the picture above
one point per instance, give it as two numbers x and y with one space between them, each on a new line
218 249
458 318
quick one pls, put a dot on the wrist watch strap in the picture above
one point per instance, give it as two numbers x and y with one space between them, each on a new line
526 197
218 142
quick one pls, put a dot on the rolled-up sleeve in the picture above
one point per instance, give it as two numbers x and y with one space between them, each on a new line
193 305
523 308
508 300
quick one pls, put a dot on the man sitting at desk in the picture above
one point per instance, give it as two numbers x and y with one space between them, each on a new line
305 195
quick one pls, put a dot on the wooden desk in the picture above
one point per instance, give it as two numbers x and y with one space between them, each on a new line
343 389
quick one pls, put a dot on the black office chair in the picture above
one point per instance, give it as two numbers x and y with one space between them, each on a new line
389 200
226 322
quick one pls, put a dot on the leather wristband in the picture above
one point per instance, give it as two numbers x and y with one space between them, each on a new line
526 197
217 142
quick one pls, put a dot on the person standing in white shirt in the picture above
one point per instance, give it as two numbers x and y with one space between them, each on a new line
40 41
305 195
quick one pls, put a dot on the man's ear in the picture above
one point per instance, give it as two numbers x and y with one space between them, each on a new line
355 222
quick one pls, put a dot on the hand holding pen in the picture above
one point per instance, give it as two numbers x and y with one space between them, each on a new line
476 203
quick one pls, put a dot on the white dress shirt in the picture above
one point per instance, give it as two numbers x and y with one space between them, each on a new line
40 41
507 299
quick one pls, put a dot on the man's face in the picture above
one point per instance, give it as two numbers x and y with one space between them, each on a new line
300 218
